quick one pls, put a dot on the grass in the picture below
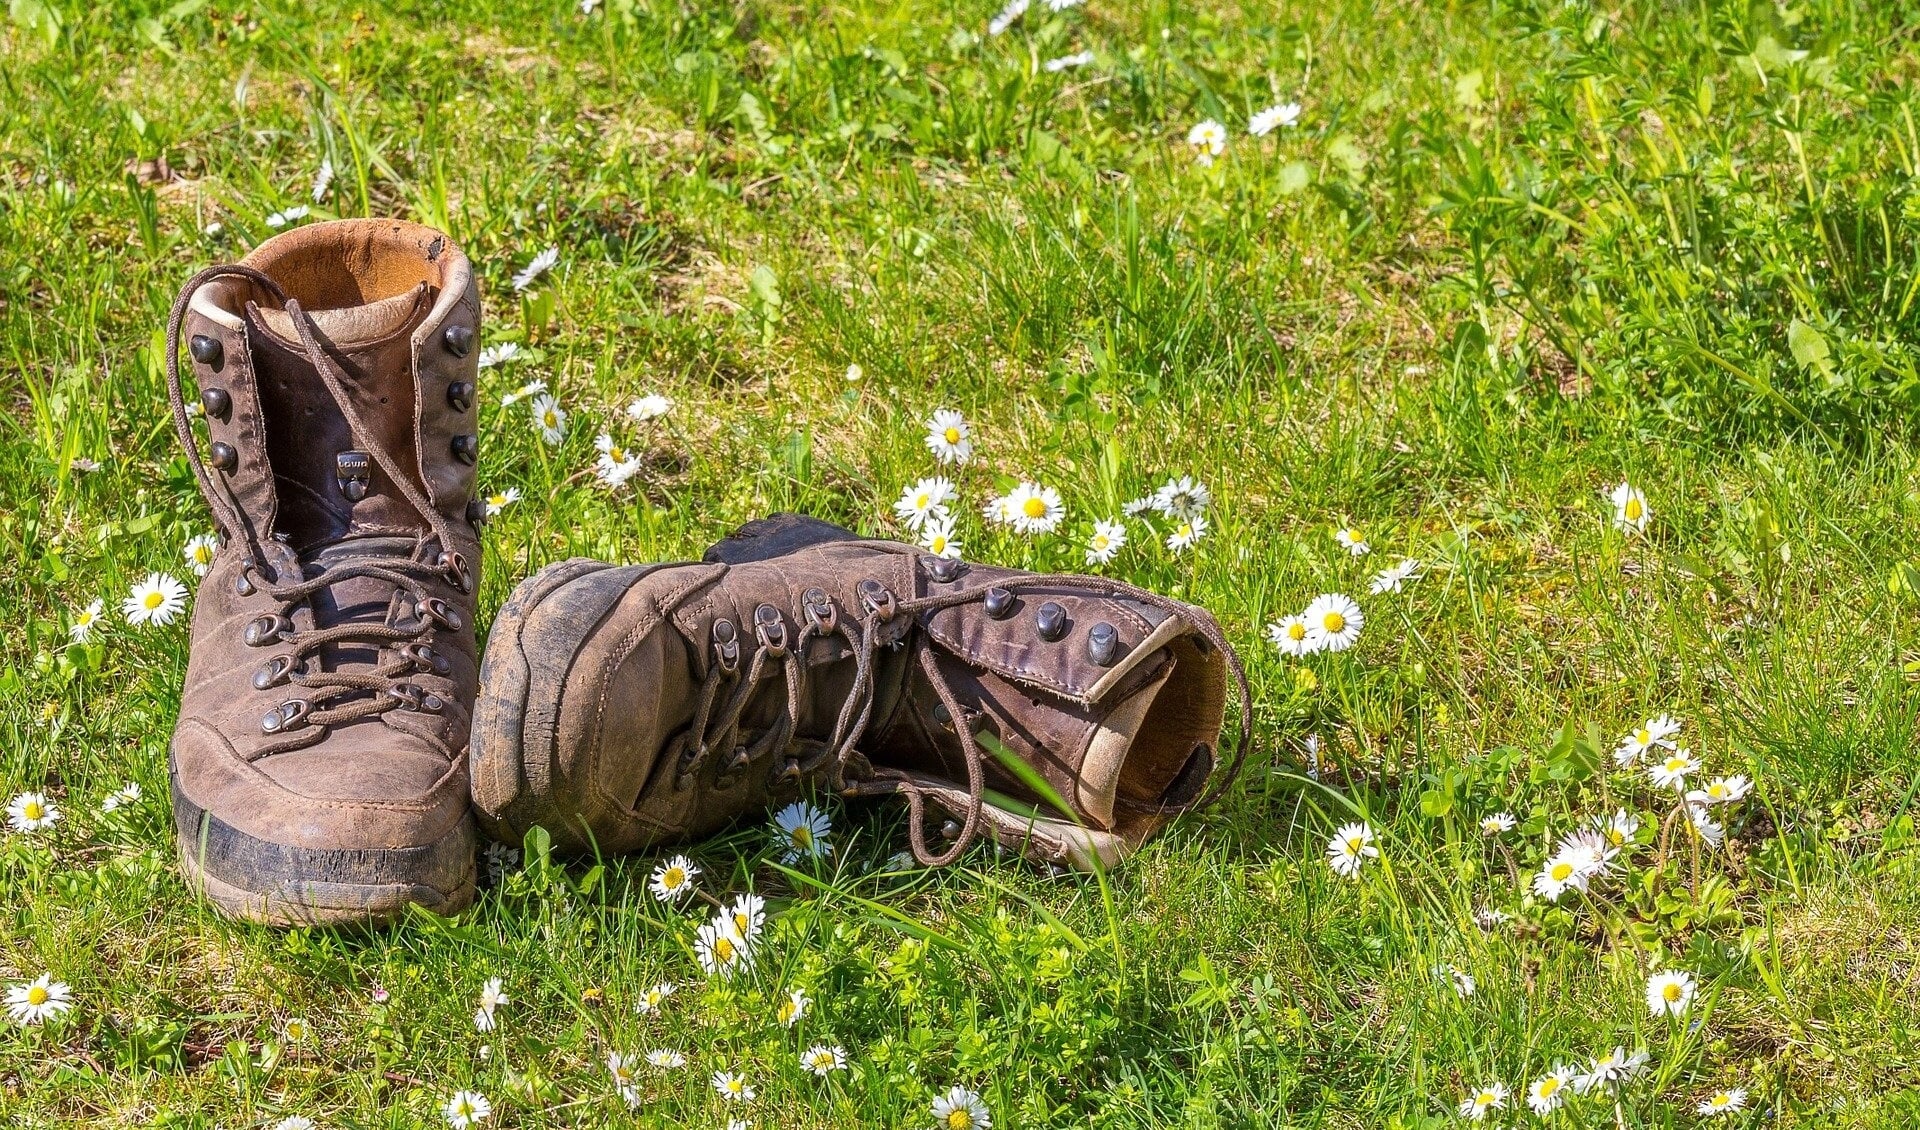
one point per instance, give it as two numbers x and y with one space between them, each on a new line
1513 254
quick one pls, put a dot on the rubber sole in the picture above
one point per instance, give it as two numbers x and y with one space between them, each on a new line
255 880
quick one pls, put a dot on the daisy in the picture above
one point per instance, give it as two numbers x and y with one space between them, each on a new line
1063 5
1653 732
1711 830
803 831
1350 848
1565 871
855 373
1273 117
1186 532
1546 1093
1333 622
531 388
156 600
1292 636
500 857
999 510
1067 62
824 1059
322 180
1137 507
616 464
1616 831
747 914
721 950
1036 509
1489 919
1393 577
498 502
651 1000
287 216
666 1059
1669 994
467 1108
1672 773
949 437
625 1070
1493 1096
1463 983
937 538
83 621
1722 790
491 998
124 795
549 419
1182 498
540 265
1209 140
1590 849
673 880
961 1109
199 552
733 1086
296 1029
1630 511
923 500
1353 541
499 354
1497 824
1108 539
30 812
39 1000
649 407
294 1122
1013 11
1610 1070
792 1009
1724 1102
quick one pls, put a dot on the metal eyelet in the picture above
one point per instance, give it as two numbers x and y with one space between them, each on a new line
726 645
999 603
206 350
771 629
426 659
273 672
819 610
1051 621
412 696
289 715
454 565
441 613
944 570
736 769
242 582
264 630
1103 643
877 599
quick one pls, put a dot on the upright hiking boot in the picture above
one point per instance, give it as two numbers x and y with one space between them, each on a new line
1068 717
319 768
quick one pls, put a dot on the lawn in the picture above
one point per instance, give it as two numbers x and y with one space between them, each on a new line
1510 256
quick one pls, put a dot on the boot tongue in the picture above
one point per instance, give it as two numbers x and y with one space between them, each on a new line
1108 744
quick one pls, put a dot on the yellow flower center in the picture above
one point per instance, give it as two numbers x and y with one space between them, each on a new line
789 1012
1100 541
1035 507
1671 992
921 500
802 836
1486 1098
153 599
1548 1086
86 617
618 455
723 950
497 499
1634 509
202 555
549 419
1355 843
1296 632
951 435
33 810
1716 791
1676 764
1334 622
1721 1100
1185 530
939 544
1352 536
1561 872
960 1118
38 995
734 1086
1642 737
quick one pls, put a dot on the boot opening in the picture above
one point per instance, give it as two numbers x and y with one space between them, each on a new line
1155 747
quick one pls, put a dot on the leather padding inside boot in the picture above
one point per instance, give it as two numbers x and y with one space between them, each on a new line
1186 712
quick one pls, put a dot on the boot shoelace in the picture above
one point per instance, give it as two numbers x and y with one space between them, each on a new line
342 695
710 731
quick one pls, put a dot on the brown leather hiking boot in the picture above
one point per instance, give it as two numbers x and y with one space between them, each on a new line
319 765
622 707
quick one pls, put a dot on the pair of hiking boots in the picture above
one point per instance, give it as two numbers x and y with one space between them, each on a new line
341 746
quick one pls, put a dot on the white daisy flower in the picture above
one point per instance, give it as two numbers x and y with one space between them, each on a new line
1274 117
550 420
1723 1102
855 373
199 552
1610 1070
1489 918
666 1059
499 355
803 831
498 502
1209 140
1474 1107
1672 772
287 216
1711 830
466 1109
1497 824
721 951
1565 871
1036 509
81 628
531 388
1463 983
625 1070
1352 540
1649 734
673 880
824 1059
1013 11
937 537
1108 539
649 407
1138 506
1182 497
998 510
491 998
746 914
1393 577
1293 636
1186 532
616 464
793 1008
1349 849
1616 831
949 437
39 1000
124 795
30 812
1630 510
1669 993
1589 848
1063 5
1067 62
733 1086
1547 1093
1722 790
961 1109
651 1001
923 500
294 1122
1333 622
539 265
156 600
322 180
